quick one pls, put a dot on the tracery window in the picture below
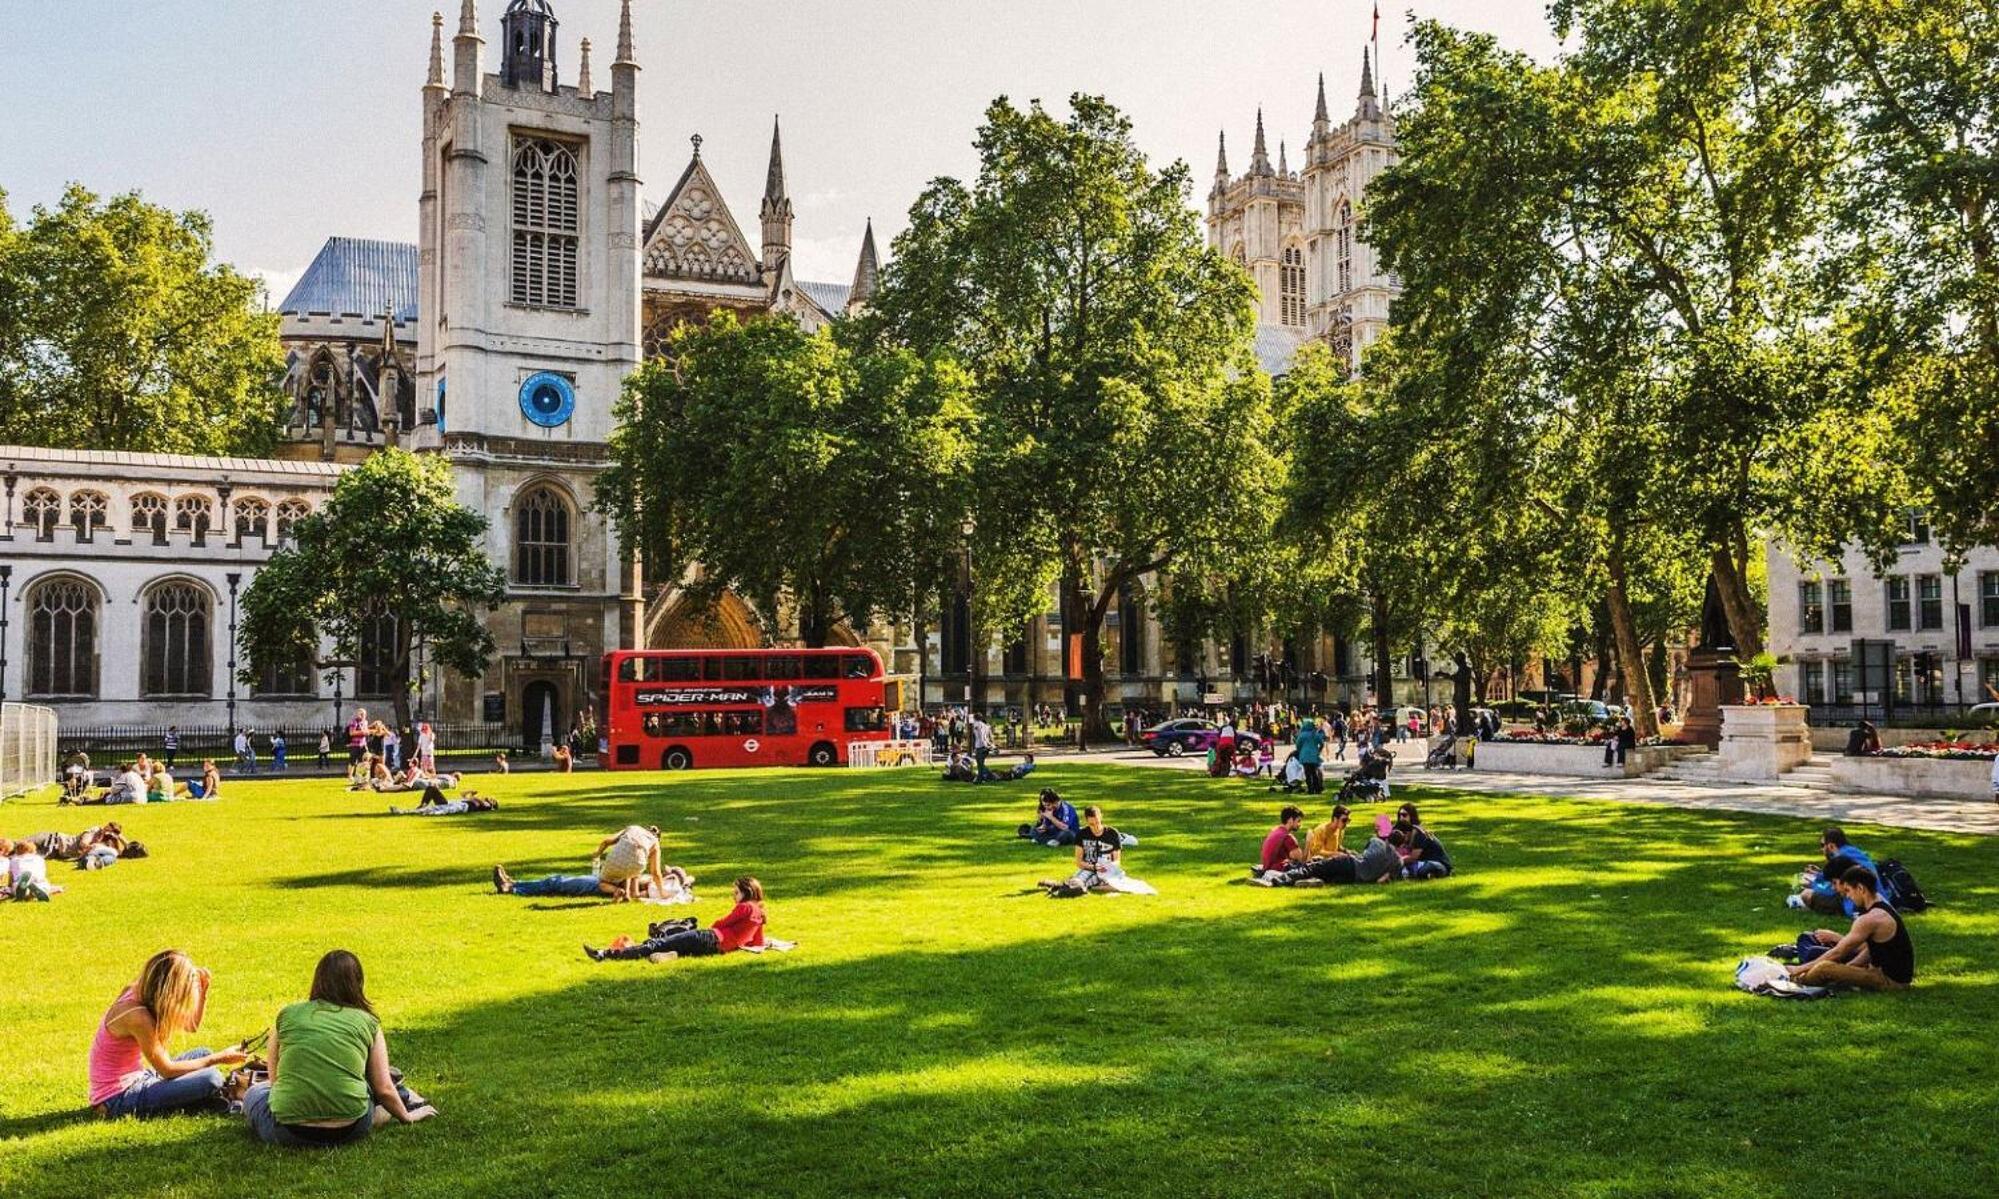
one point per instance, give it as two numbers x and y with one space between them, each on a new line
253 518
290 512
541 539
149 515
547 220
41 509
193 514
89 511
1343 247
176 651
1291 286
62 638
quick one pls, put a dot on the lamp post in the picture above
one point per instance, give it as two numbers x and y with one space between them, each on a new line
6 581
972 654
235 579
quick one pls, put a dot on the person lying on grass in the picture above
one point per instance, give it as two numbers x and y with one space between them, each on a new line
1875 953
433 803
130 1072
1055 821
1099 863
1380 862
1821 883
744 925
70 847
1281 850
614 871
331 1083
1423 856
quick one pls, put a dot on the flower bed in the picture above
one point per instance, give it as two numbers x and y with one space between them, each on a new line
1594 737
1955 751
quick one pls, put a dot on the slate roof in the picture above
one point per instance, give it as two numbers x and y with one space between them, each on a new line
355 277
830 296
28 459
1276 345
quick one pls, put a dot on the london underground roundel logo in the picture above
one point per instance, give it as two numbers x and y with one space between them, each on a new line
548 399
751 745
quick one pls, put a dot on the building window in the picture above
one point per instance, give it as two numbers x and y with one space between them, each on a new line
1343 247
42 511
1929 601
62 639
1988 598
290 675
1919 529
1988 677
193 514
1899 615
1811 677
547 214
89 511
1839 597
374 678
1842 682
541 539
289 513
253 519
149 515
176 653
1811 607
1291 286
1131 634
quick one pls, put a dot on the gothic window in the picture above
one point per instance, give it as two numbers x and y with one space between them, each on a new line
253 518
323 393
290 674
374 678
62 638
658 331
1343 247
149 515
290 512
192 514
176 651
1291 286
541 539
41 511
547 219
89 511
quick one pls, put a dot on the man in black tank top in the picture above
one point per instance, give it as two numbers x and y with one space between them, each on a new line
1875 953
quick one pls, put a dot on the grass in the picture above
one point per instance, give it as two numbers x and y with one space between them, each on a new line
1556 1020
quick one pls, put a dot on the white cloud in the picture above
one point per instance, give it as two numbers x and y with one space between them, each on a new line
277 282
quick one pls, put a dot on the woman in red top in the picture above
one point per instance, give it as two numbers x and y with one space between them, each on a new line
744 925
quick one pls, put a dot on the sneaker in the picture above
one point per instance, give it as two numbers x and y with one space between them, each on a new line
1260 879
595 955
501 883
1795 901
394 810
661 957
1309 882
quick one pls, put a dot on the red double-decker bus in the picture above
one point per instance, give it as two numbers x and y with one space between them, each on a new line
678 709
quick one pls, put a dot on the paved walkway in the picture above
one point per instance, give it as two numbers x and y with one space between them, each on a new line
1897 811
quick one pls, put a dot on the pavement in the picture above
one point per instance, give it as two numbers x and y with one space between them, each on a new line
1977 817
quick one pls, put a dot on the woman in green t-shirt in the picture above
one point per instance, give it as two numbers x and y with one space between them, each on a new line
330 1077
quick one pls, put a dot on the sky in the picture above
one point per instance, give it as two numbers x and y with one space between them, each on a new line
290 121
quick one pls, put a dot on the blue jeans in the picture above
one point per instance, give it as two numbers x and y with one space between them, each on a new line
277 759
558 884
152 1095
1426 869
257 1110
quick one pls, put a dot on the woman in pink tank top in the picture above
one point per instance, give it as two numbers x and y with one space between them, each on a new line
130 1072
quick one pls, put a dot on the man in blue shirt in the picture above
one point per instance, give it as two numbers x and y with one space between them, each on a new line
1056 822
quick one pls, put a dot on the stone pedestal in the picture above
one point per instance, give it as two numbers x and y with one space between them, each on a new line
1714 681
1759 742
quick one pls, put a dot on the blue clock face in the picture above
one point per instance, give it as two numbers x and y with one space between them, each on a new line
548 399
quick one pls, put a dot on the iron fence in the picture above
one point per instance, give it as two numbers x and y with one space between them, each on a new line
27 748
108 743
1902 714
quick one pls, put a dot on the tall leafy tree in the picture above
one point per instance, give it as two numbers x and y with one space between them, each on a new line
1123 424
119 331
793 469
391 561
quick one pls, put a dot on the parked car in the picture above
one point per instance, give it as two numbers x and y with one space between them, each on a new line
1593 710
1983 716
1172 738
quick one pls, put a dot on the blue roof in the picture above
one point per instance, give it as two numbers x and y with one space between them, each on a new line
1276 345
830 296
355 277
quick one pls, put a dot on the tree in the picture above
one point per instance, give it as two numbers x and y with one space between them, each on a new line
1123 423
792 469
118 332
392 560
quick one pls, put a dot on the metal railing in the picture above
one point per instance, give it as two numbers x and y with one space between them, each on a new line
107 743
27 748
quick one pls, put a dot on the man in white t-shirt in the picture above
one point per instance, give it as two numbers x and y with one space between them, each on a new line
982 745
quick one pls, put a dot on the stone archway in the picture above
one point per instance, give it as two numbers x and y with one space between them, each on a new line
726 623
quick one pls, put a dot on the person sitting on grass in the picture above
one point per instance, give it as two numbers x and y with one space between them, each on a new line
744 925
129 787
1380 862
1875 953
162 788
1281 850
24 872
1099 863
1328 840
1821 891
1019 770
331 1083
501 763
1055 823
620 860
1423 856
130 1072
210 785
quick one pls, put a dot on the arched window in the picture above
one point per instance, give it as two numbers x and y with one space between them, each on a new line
1291 286
41 510
253 518
89 511
193 514
290 512
541 538
375 677
547 219
1343 246
149 515
62 639
290 674
176 650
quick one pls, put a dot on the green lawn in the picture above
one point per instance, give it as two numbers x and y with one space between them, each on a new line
1556 1020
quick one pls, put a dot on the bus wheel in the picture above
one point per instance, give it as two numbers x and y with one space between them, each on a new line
823 754
676 758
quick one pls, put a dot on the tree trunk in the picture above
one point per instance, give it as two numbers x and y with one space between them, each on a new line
1384 666
399 689
1630 657
1601 679
1081 615
1744 621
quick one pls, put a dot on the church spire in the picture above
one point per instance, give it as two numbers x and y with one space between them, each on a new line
468 19
1222 156
465 51
436 77
865 271
1319 114
774 178
1283 163
584 90
776 211
1366 74
1259 155
626 55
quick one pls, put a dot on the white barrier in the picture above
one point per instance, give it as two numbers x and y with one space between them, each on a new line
27 748
871 754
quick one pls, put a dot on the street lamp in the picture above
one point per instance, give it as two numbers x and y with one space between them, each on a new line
971 642
235 579
337 675
6 581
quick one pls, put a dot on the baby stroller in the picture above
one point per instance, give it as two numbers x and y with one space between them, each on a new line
1370 781
1444 753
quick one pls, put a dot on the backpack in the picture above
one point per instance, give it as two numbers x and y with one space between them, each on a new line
1901 886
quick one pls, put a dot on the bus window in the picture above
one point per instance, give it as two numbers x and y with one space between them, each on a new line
857 666
740 724
740 670
676 670
781 669
822 666
629 670
676 724
866 720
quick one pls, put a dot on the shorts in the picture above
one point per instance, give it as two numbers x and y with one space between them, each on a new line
355 753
